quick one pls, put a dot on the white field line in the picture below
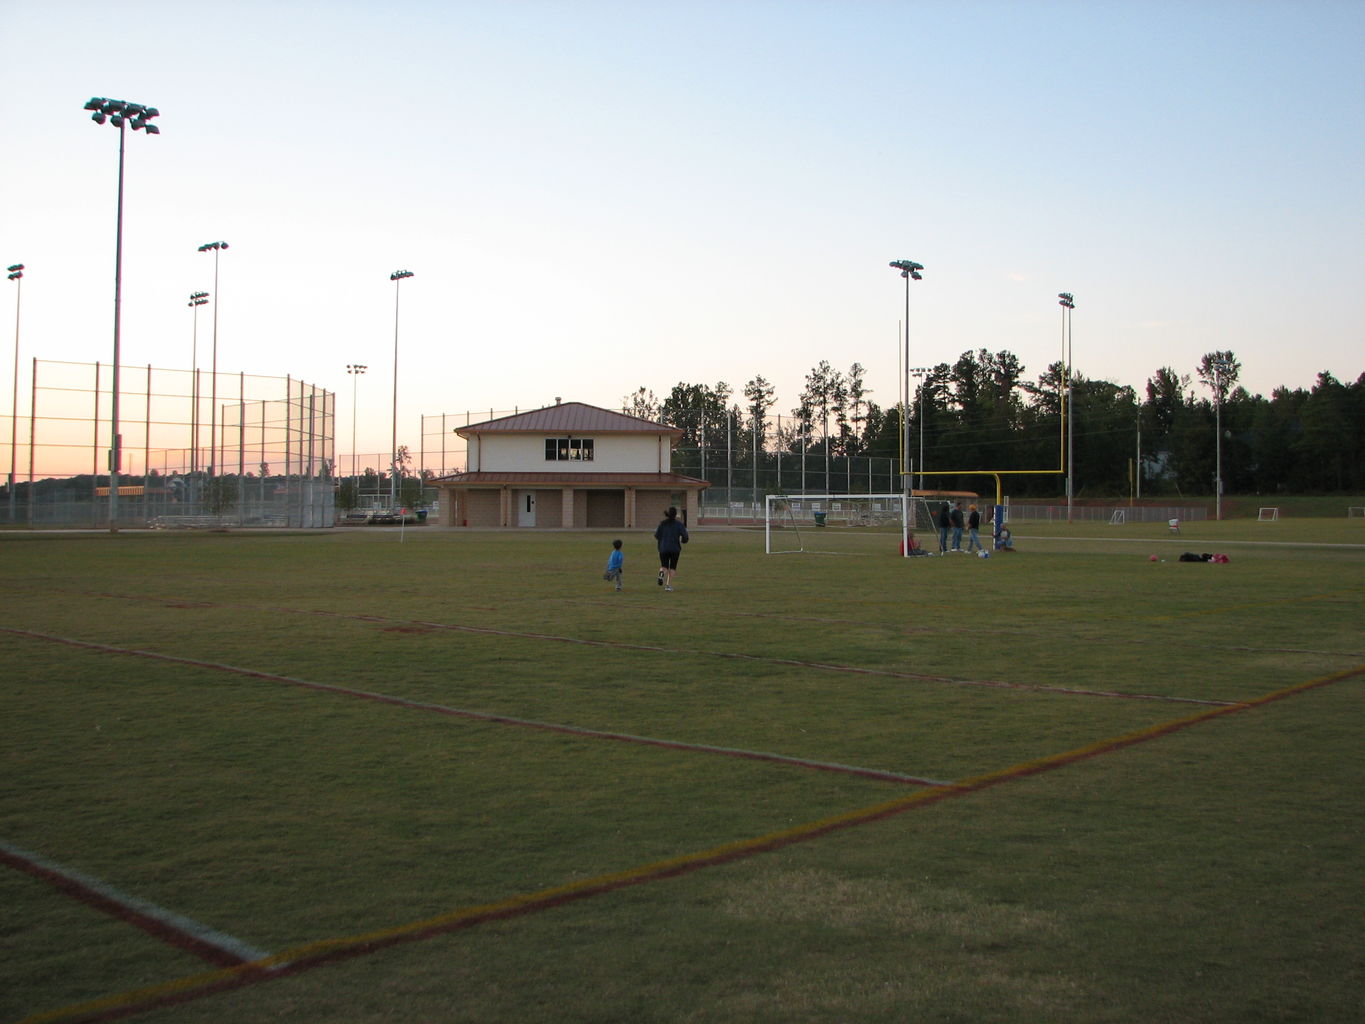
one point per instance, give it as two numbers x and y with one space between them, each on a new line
484 716
199 932
1186 541
697 652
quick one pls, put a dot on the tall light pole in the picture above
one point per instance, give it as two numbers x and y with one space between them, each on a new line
119 113
197 299
919 373
1220 368
910 270
1068 302
215 248
16 274
355 370
397 278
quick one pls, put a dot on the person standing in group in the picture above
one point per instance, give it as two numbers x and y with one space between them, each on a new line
671 535
955 517
973 530
944 522
615 564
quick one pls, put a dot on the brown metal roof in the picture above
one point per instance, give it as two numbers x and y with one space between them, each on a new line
566 418
573 480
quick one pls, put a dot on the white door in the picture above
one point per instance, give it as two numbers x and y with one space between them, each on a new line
526 508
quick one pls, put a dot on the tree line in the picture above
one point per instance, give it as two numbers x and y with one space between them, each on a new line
981 414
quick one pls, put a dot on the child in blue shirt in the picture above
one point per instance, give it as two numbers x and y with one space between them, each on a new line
615 564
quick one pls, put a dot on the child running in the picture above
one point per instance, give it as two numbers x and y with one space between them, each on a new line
615 564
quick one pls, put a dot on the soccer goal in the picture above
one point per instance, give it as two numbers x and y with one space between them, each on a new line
1269 515
845 524
1355 512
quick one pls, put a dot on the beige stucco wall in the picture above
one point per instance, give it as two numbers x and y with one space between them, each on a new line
480 508
597 507
612 453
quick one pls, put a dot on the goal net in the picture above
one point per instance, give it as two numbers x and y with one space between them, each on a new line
845 524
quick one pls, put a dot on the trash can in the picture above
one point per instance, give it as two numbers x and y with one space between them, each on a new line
820 518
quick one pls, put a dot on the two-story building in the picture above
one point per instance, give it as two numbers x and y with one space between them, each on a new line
566 466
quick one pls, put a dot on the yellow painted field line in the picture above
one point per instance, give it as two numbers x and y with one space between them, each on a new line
117 1004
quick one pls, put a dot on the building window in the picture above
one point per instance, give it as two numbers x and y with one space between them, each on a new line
568 449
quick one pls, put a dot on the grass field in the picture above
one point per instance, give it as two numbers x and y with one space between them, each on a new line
455 777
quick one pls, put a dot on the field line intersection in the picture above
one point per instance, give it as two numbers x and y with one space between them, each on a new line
325 951
1101 673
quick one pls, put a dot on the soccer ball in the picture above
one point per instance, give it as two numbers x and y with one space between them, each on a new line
1153 558
983 553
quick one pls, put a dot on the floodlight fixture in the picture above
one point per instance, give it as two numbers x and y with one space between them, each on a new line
909 269
138 116
16 271
398 275
115 112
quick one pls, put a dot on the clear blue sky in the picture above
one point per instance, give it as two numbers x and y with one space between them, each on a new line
597 196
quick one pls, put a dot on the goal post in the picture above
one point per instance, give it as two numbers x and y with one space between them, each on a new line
1269 515
844 523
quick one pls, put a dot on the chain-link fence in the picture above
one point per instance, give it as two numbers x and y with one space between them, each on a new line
197 449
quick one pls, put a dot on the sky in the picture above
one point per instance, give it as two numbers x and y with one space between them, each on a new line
598 196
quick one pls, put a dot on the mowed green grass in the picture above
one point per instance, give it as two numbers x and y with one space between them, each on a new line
1213 873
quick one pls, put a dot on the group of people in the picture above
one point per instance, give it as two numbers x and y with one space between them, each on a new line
951 521
670 535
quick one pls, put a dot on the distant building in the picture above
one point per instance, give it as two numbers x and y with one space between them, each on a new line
566 466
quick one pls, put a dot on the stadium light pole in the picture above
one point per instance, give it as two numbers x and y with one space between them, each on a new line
197 299
1220 369
119 113
910 270
16 274
355 370
1068 302
215 248
920 373
397 278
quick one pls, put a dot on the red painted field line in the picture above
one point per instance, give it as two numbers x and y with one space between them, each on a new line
315 954
484 716
730 655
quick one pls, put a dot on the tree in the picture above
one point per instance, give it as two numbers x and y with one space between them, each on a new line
857 392
641 404
220 495
1219 371
1166 392
761 396
700 412
348 495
